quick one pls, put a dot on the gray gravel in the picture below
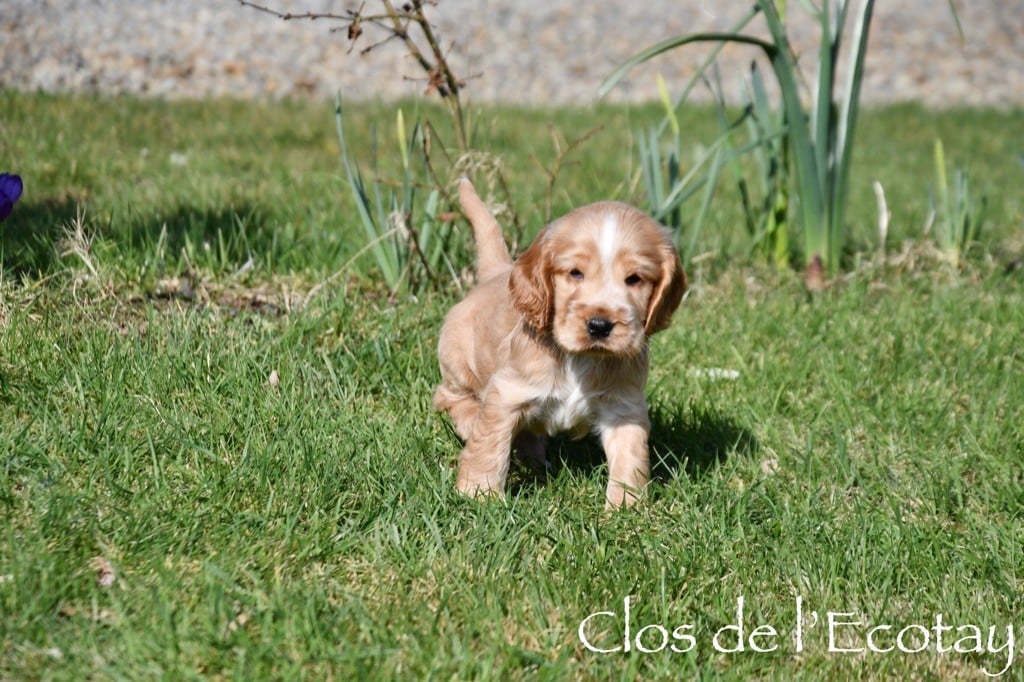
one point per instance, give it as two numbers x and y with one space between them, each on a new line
520 51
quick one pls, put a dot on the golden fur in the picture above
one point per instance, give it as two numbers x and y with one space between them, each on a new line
557 341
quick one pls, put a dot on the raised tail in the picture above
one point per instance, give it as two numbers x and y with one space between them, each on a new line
492 256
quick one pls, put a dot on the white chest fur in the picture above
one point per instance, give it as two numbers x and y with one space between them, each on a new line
573 403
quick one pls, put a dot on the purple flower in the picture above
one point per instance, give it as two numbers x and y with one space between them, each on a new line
10 190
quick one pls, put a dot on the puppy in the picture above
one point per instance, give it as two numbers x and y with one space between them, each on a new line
557 341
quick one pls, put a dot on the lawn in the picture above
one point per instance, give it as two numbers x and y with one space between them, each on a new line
218 456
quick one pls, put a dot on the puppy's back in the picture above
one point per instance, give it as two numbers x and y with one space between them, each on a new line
473 333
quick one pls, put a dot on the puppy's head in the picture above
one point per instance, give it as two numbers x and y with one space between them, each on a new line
600 280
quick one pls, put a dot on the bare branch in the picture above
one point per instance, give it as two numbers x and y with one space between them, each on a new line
288 16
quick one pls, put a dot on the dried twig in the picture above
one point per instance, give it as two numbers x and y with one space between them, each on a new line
561 158
397 23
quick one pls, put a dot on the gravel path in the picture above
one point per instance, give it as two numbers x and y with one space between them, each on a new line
521 51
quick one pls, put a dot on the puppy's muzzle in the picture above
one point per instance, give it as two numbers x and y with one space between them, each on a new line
599 327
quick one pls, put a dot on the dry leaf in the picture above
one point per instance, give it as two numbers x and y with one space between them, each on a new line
815 275
105 575
238 622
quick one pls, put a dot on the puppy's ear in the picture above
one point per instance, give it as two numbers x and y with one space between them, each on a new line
669 290
530 286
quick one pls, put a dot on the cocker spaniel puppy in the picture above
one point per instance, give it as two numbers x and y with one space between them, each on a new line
557 341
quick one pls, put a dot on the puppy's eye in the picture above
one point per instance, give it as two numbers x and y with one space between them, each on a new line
576 274
633 280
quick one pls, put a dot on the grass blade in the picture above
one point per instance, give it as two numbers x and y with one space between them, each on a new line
705 204
671 44
374 232
809 190
824 123
848 114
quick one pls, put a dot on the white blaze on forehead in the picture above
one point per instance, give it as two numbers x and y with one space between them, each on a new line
608 242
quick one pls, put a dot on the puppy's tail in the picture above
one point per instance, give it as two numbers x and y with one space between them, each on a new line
492 256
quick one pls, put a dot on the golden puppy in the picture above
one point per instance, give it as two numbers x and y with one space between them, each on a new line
557 341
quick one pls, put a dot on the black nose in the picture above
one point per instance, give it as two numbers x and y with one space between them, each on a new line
599 327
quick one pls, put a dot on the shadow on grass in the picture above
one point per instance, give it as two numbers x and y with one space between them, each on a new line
221 237
680 443
695 443
29 236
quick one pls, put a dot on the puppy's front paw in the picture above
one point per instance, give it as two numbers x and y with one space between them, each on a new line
483 470
478 489
621 496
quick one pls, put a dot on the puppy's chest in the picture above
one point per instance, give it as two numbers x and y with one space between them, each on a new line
573 404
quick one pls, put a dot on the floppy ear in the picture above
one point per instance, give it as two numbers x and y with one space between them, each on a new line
530 286
668 292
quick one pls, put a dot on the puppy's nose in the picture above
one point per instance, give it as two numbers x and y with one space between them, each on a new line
599 327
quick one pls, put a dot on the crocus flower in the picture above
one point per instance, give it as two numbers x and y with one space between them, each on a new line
10 190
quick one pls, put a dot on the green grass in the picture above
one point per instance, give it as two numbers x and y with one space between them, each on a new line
867 459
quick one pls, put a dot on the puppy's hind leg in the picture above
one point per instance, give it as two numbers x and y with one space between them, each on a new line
484 462
461 407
